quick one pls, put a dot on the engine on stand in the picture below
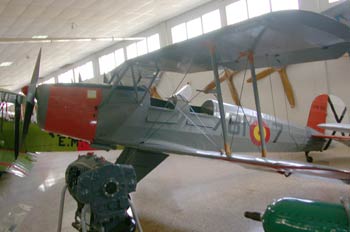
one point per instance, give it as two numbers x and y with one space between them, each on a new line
101 190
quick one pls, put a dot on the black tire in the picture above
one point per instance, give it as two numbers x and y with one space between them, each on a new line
309 159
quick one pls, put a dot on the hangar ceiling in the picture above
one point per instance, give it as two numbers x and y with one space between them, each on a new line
72 18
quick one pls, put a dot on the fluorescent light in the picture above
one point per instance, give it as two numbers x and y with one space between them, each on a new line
5 64
39 36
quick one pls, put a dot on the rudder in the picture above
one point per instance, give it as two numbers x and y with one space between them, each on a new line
318 112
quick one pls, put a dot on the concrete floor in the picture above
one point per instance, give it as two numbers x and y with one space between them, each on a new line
183 194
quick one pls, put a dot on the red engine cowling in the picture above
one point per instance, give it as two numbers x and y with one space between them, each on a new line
69 110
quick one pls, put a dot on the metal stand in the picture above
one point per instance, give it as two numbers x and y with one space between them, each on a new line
83 218
60 214
138 224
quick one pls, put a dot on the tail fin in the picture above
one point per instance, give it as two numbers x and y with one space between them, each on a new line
318 112
326 109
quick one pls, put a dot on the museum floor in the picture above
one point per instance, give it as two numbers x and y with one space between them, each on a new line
183 194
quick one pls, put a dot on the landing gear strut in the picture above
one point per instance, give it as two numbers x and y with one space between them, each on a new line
309 159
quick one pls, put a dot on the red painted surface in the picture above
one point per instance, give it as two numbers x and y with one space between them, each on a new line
72 112
25 90
339 138
318 112
255 137
84 146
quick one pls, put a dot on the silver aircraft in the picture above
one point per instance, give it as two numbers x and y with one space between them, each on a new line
122 112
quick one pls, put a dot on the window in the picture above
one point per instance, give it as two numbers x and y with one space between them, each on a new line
106 63
237 12
85 71
131 51
258 7
141 47
153 42
178 33
66 77
50 81
119 56
194 28
277 5
211 21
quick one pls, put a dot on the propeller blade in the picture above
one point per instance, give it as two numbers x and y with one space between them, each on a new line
17 126
30 97
263 74
287 87
154 92
232 87
212 85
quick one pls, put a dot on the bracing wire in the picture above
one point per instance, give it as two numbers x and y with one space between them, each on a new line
240 100
183 78
288 121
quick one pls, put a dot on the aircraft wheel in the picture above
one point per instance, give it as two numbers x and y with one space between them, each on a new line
309 159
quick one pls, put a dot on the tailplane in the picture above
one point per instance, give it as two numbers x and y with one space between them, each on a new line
326 115
326 109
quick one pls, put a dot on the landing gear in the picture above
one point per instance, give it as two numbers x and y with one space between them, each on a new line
309 159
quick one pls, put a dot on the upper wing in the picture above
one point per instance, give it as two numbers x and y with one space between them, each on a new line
276 39
341 12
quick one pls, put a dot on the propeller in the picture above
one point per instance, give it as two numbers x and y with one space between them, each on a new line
17 125
30 97
263 74
154 92
228 76
232 87
285 82
287 86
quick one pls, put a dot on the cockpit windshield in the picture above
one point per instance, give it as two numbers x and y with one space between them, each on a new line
133 75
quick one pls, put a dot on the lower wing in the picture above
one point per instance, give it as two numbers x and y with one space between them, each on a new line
282 167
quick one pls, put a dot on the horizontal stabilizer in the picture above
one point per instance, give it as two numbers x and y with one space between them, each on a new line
340 127
343 139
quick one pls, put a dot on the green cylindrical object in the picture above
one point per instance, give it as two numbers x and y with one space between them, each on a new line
299 215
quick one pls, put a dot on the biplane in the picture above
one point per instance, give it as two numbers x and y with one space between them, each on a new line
122 112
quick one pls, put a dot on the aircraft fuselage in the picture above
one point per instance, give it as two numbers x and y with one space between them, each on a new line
108 116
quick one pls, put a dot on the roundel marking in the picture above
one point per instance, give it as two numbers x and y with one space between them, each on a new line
255 135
